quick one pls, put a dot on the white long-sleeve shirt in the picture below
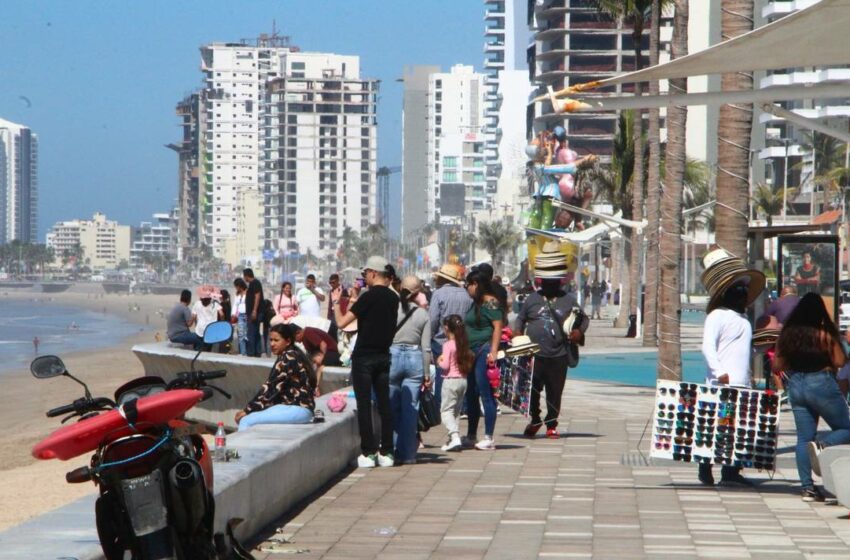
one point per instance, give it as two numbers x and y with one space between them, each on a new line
727 346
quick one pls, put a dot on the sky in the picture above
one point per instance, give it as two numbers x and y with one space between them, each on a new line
98 81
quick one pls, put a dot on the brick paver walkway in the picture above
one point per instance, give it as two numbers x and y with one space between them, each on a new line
588 495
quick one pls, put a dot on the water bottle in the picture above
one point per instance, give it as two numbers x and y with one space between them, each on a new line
220 452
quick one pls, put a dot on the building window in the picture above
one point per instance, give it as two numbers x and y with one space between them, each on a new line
449 161
449 176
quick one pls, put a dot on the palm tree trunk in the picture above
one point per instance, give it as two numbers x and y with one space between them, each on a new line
653 191
670 350
733 149
637 178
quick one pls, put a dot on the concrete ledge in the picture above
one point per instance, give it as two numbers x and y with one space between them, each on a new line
280 465
244 377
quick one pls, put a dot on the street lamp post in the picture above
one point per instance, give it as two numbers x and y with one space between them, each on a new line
785 182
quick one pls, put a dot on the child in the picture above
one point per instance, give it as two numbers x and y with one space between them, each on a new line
456 362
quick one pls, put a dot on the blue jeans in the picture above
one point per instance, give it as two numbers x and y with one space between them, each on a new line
242 333
813 396
277 414
255 341
436 350
406 375
478 386
189 338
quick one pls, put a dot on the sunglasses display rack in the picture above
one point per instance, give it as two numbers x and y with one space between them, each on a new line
714 424
515 382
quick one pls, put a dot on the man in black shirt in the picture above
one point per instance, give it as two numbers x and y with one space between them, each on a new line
376 312
254 311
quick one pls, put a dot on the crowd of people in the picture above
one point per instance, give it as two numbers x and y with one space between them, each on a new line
447 342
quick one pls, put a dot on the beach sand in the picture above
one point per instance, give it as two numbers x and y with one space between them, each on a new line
29 487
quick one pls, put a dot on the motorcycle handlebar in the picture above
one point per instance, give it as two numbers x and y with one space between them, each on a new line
195 378
82 406
213 374
60 410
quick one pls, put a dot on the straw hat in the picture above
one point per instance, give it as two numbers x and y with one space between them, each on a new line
767 334
522 345
450 272
724 270
550 263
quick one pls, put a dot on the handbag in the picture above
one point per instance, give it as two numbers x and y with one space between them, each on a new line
572 347
429 412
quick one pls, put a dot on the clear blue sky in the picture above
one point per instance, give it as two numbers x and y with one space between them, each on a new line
103 79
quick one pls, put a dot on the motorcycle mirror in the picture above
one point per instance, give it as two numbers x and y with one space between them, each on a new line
218 332
45 367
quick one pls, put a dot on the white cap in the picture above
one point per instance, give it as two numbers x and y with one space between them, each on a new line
376 263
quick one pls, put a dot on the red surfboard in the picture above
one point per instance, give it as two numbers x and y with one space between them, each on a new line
70 441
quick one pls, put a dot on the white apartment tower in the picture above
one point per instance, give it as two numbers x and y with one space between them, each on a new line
18 183
507 87
787 156
455 106
319 152
235 78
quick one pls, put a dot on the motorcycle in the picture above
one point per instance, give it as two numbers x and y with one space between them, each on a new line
152 468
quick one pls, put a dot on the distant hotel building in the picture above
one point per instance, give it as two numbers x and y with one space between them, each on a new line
155 238
18 183
105 243
295 129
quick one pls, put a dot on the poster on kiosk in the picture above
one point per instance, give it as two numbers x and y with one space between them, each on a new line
810 264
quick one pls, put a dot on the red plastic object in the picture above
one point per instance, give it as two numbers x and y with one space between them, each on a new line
74 440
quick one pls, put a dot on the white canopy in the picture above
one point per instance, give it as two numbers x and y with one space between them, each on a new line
814 36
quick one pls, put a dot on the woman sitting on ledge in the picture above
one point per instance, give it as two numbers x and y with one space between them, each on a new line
287 396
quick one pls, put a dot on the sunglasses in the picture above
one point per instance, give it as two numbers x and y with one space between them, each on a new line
746 433
664 430
767 419
668 407
688 386
705 389
669 415
681 456
686 408
684 431
683 440
707 405
662 445
665 390
705 419
763 465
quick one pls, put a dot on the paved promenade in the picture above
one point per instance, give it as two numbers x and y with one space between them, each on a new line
591 494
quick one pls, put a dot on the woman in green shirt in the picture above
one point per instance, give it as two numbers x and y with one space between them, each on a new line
484 323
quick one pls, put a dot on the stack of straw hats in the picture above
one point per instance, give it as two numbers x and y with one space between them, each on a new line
724 270
521 345
766 336
550 263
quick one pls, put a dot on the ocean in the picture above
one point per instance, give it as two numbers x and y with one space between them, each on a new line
60 330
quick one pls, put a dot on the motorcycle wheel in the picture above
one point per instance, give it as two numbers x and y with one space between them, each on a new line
161 545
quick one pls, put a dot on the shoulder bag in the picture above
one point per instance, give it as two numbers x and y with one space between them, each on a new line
572 348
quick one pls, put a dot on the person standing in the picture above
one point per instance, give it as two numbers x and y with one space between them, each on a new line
727 336
807 276
455 364
410 359
239 316
784 306
35 343
541 317
334 283
376 311
484 322
596 292
310 297
253 307
180 321
809 352
448 299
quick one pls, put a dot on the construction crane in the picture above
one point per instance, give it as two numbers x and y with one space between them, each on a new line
382 214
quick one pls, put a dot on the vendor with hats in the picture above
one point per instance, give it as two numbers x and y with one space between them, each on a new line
450 298
727 337
541 317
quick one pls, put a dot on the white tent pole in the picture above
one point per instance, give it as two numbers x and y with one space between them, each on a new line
836 89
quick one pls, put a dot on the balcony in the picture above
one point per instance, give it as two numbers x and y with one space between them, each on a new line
775 10
494 30
494 46
497 14
794 150
803 78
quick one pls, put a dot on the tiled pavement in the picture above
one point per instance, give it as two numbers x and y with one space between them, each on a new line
588 495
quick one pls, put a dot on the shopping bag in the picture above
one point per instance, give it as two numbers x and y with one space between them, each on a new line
429 412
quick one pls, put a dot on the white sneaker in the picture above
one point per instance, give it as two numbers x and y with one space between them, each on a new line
453 445
814 448
386 460
366 461
486 444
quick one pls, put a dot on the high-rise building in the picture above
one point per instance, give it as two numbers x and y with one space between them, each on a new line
156 238
193 202
416 165
319 152
104 243
18 183
507 87
788 156
456 108
235 79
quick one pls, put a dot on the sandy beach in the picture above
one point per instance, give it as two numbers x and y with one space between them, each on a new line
29 487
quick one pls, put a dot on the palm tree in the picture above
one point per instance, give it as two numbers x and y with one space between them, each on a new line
669 349
653 190
498 238
828 156
733 140
768 200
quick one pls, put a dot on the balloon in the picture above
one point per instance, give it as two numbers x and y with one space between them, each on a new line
532 151
566 186
559 132
566 155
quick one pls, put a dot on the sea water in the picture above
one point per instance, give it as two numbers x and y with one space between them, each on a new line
60 330
635 368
